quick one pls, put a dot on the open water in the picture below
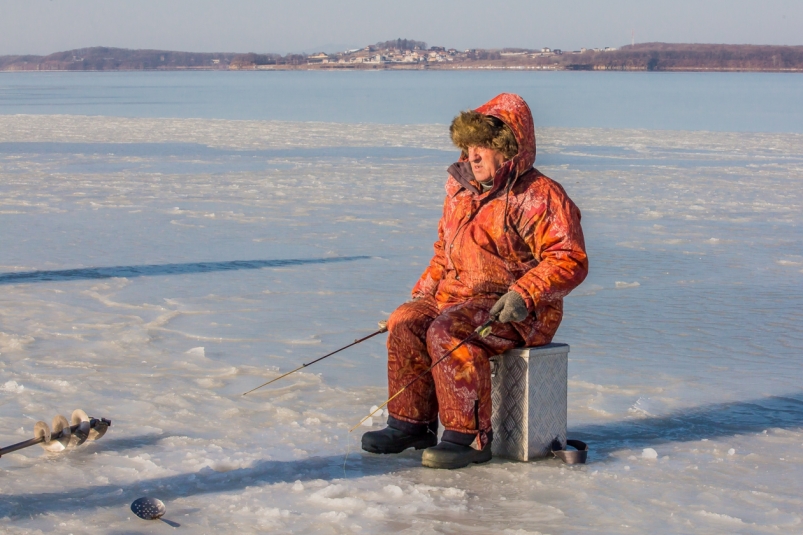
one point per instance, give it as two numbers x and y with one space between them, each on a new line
724 102
162 251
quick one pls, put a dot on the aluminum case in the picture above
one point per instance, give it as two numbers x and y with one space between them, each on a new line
529 397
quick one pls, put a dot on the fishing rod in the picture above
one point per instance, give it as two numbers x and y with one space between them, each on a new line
383 327
482 331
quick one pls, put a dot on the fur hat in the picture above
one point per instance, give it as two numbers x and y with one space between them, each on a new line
472 129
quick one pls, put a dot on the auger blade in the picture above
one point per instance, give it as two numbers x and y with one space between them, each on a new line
63 435
81 432
59 435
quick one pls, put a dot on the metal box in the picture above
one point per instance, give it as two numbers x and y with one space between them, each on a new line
528 393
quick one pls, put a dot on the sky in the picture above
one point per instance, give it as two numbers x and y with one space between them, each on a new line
46 26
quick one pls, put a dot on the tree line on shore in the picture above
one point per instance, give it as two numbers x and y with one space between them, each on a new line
644 57
689 57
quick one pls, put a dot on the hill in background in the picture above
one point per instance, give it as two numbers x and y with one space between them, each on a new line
116 59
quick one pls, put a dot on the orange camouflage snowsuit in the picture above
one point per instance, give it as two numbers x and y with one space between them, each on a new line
523 234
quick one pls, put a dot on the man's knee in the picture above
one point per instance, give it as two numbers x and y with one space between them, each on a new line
411 317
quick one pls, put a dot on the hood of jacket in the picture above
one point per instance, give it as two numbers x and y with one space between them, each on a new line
515 113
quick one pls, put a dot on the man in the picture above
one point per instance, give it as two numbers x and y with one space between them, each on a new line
509 248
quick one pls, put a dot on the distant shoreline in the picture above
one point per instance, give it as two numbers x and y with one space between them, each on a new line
403 69
414 55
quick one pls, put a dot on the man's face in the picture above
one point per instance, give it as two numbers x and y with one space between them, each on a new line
485 162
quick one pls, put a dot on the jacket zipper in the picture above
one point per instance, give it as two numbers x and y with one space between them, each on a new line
465 222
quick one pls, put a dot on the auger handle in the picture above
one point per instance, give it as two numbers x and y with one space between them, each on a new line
21 445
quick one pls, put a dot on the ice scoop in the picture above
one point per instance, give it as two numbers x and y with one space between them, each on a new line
151 509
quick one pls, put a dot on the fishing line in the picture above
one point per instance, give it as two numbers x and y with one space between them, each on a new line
348 452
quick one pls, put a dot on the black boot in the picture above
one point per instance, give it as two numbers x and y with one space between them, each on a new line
452 455
399 435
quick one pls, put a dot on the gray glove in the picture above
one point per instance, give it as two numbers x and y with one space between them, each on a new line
510 307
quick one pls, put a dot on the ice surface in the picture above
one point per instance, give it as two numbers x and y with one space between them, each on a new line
649 453
152 270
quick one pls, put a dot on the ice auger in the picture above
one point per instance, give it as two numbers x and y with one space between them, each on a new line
64 434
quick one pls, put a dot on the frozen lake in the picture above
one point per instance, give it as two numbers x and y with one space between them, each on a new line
153 269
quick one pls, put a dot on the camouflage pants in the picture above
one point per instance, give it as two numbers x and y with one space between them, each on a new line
459 388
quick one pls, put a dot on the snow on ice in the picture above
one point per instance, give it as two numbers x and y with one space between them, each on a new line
154 269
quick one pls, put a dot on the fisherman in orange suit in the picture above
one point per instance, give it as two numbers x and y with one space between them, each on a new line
509 247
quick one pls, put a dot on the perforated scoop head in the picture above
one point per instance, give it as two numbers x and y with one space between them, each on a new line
148 508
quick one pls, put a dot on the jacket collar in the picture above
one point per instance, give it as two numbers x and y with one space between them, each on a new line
464 178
